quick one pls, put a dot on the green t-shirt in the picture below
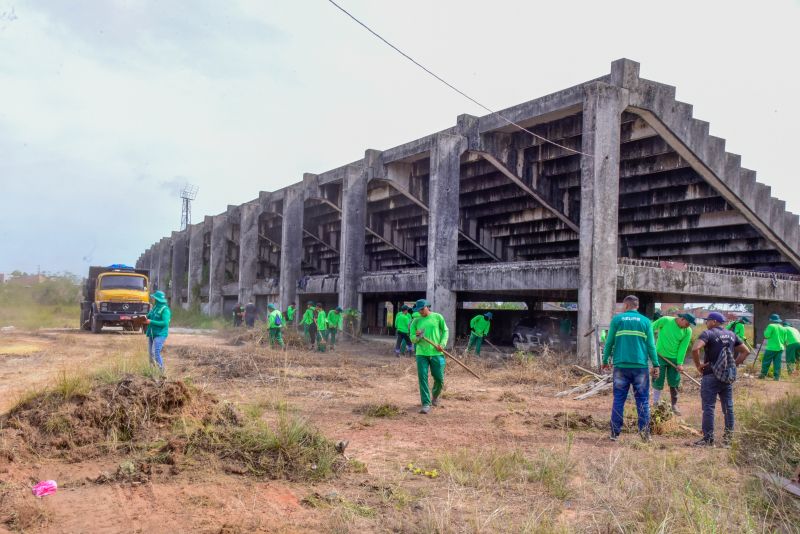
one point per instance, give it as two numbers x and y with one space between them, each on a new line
673 341
273 316
480 325
402 322
322 320
792 335
775 337
308 316
435 329
334 319
159 317
290 313
630 340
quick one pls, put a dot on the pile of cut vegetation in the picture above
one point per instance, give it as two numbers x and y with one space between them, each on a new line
81 417
79 414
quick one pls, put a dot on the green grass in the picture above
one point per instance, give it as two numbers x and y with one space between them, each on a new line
387 410
52 304
68 386
196 319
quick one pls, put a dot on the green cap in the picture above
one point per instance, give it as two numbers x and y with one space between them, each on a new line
744 320
689 317
421 303
159 296
271 306
488 315
775 318
310 303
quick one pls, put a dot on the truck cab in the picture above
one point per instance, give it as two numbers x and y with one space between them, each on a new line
117 295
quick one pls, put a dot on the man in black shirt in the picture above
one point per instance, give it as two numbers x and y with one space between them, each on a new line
715 340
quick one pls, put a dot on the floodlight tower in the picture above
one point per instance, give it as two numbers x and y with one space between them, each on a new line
188 194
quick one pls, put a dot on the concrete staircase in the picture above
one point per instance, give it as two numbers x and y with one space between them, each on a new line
673 120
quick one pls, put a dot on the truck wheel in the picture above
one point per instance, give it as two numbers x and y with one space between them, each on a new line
84 319
97 324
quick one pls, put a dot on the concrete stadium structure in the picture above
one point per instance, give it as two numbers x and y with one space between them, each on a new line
649 204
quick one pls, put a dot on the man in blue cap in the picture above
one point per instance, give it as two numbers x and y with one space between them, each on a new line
775 336
157 322
479 329
429 333
717 342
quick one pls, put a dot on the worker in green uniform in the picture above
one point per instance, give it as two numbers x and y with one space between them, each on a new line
334 320
322 327
674 335
429 335
157 322
657 315
275 323
290 314
737 327
479 329
792 346
401 326
631 345
307 321
775 335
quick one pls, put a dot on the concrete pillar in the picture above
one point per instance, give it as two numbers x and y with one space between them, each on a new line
180 266
248 249
763 309
445 171
164 253
196 235
354 220
216 277
597 292
291 244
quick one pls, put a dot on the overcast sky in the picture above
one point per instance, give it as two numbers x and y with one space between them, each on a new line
110 106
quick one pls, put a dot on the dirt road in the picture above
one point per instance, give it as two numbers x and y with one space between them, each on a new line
505 458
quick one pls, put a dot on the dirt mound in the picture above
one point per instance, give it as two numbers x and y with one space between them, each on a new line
127 410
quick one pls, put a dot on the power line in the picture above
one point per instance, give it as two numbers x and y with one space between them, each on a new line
450 85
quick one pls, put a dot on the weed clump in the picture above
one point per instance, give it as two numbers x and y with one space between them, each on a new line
293 450
386 410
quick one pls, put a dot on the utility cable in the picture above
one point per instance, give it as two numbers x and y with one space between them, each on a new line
451 86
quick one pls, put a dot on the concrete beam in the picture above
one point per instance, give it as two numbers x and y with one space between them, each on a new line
196 281
248 249
180 266
443 224
354 218
603 106
219 246
164 260
291 244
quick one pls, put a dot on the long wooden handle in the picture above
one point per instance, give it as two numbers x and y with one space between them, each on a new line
459 362
690 377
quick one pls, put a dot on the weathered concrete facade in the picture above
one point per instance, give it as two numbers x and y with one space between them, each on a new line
634 197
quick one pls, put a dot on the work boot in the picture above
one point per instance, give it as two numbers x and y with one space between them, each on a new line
614 437
703 443
435 401
673 393
645 435
425 409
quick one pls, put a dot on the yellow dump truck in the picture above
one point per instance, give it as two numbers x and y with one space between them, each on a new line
117 295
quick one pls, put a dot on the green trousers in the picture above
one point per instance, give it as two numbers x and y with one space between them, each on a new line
667 371
331 337
436 365
792 352
476 341
276 337
771 357
306 333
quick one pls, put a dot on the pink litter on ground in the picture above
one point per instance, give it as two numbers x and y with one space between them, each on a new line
45 487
